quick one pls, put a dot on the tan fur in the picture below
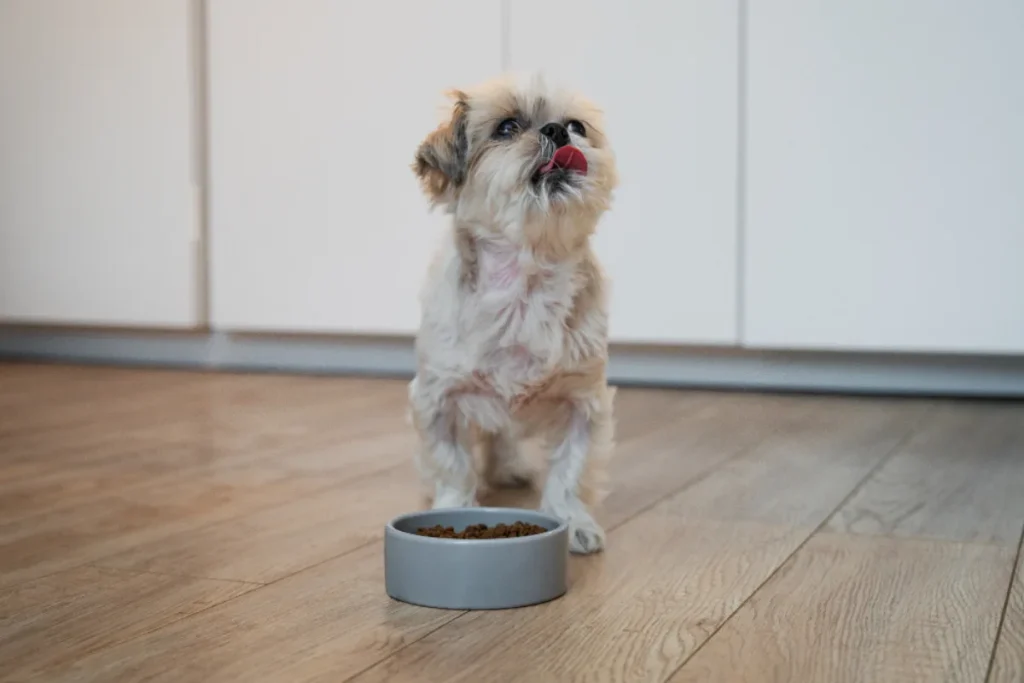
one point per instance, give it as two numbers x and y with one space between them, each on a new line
513 336
440 152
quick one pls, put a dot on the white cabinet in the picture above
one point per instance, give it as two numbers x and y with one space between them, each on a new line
666 75
885 180
860 187
317 107
317 223
98 203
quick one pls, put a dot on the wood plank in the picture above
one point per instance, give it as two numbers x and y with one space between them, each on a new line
800 472
668 447
38 399
343 450
673 451
860 609
26 384
627 618
960 478
617 622
235 445
223 414
637 410
49 426
363 447
324 624
664 454
53 621
1008 661
270 544
66 538
250 477
264 546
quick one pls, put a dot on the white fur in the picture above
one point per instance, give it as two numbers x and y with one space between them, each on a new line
520 351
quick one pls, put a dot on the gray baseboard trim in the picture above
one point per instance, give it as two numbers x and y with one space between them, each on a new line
659 366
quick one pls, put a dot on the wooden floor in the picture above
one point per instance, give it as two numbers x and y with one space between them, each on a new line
163 526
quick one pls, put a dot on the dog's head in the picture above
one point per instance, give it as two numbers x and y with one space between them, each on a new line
519 157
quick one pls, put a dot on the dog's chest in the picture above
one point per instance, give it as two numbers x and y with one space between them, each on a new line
520 316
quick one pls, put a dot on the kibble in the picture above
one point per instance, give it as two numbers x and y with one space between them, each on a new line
482 531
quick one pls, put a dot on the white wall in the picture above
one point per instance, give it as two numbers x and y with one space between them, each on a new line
98 207
885 177
317 107
878 146
666 75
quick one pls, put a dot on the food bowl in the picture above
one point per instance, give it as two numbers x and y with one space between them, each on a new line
475 573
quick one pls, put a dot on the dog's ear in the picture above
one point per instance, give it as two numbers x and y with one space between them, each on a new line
442 158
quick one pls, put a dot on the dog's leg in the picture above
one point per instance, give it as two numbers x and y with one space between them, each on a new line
443 458
577 467
504 463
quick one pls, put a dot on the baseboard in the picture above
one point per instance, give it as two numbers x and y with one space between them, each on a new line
658 366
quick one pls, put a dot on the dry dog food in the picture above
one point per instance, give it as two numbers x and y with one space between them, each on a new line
482 531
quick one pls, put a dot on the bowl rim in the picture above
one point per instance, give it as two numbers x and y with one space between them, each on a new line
561 527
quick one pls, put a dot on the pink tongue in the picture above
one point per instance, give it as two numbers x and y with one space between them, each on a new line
569 158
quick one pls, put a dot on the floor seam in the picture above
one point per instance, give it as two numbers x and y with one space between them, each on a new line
145 632
124 570
255 587
896 448
324 561
7 587
392 654
1014 573
938 540
693 481
259 510
701 475
690 483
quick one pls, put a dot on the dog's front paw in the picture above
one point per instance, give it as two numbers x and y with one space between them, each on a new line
585 536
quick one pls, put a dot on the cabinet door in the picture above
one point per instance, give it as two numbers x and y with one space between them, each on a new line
98 206
666 75
317 107
885 206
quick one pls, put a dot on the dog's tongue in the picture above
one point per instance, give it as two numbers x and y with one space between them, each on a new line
569 158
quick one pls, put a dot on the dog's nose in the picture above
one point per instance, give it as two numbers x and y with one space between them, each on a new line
557 133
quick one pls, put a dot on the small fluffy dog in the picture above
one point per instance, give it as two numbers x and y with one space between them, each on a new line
513 339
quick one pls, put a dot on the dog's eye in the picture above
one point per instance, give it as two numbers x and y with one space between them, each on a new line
507 128
577 128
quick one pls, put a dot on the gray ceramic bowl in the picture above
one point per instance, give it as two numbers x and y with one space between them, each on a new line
475 574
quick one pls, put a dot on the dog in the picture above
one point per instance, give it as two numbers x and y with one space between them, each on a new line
513 338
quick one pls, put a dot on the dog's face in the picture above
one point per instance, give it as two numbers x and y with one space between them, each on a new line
518 156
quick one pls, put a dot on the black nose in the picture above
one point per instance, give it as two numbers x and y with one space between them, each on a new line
557 133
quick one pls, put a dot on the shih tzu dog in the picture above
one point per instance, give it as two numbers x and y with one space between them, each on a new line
513 338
